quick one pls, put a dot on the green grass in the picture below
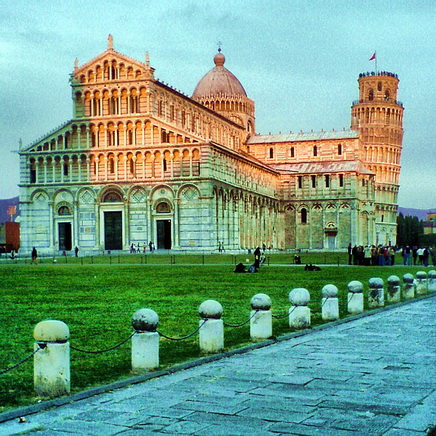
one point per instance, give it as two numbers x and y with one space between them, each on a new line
97 303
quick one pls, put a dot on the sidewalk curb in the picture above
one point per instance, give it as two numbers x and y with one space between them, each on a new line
29 410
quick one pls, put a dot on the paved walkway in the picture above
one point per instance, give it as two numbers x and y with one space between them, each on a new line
372 376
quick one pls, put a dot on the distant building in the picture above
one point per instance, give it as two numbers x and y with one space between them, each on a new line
430 223
140 162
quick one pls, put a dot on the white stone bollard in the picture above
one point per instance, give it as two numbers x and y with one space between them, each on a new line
330 303
299 313
261 317
376 296
432 281
355 297
421 283
408 286
51 372
394 289
145 341
211 336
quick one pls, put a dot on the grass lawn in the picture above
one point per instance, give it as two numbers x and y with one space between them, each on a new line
97 302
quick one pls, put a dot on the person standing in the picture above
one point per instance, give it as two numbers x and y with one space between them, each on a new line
257 258
76 251
350 254
34 256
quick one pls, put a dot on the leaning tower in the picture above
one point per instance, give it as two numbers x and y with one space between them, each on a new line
378 116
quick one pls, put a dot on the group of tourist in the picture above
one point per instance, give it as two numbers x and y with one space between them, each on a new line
385 255
136 248
420 255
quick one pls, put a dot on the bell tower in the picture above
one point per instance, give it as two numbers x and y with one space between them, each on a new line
378 116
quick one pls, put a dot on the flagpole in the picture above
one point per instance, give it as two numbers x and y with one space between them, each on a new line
376 72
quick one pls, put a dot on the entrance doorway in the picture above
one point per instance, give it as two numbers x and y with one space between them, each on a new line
65 243
331 241
113 231
163 234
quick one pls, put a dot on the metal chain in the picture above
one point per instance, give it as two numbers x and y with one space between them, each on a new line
105 350
284 316
183 337
20 362
242 323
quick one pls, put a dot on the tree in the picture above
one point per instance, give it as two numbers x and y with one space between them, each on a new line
410 230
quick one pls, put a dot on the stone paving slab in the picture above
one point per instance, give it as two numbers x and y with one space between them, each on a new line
372 376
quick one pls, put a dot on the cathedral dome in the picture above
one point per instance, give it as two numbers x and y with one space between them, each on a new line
219 81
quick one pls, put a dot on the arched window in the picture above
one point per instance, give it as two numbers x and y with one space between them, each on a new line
111 165
303 216
315 150
64 210
163 207
112 197
271 153
387 95
379 86
371 95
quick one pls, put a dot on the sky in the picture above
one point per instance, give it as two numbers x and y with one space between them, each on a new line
299 60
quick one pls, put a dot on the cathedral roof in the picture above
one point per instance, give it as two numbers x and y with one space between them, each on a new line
322 167
219 82
302 136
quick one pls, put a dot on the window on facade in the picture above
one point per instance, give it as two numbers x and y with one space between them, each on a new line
164 163
387 95
382 218
132 166
313 181
160 108
327 181
315 150
32 173
183 118
111 165
379 86
65 169
130 137
271 153
292 151
172 112
341 180
371 94
339 149
163 207
303 216
112 197
300 182
64 210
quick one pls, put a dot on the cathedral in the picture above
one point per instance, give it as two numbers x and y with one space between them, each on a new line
141 161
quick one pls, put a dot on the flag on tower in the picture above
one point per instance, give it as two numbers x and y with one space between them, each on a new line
373 57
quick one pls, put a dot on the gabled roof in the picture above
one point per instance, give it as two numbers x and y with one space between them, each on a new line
322 167
302 136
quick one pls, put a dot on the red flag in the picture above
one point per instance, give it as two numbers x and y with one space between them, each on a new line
372 57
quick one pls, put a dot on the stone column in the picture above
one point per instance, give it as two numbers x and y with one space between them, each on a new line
376 296
212 330
421 283
261 317
145 342
408 286
330 303
52 361
394 289
432 281
299 313
355 297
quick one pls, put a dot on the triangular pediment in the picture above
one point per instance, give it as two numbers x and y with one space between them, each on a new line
112 57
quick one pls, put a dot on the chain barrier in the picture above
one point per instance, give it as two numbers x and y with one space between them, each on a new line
4 371
183 337
106 349
285 315
242 323
322 305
